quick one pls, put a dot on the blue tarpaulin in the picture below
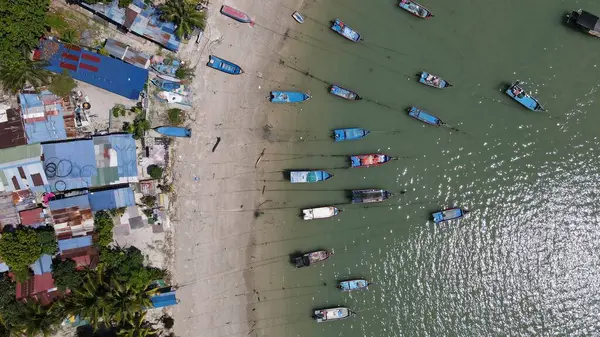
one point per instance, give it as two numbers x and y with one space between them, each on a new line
42 265
78 242
164 300
111 199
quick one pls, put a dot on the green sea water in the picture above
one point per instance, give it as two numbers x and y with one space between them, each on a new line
525 261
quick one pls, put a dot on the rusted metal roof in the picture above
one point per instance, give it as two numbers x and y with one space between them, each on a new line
12 131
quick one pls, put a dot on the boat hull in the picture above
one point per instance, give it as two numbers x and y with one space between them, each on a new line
518 94
235 14
352 285
433 81
331 314
340 135
288 97
319 213
369 160
297 177
415 9
298 17
424 116
174 131
224 65
346 94
341 28
308 259
367 196
448 214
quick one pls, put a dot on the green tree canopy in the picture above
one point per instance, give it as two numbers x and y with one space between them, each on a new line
62 84
183 14
22 23
10 309
19 249
36 320
127 266
47 239
104 225
15 74
65 274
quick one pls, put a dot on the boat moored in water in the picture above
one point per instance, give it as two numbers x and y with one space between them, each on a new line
298 17
288 97
518 94
368 160
341 28
309 176
340 135
351 285
424 116
449 214
433 81
415 9
224 65
174 131
332 314
311 258
585 21
338 91
320 213
370 195
236 15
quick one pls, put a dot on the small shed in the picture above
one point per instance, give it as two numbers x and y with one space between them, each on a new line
123 52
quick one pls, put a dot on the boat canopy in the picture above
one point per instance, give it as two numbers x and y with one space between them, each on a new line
588 21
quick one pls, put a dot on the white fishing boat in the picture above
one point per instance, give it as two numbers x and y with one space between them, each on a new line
298 17
320 213
332 314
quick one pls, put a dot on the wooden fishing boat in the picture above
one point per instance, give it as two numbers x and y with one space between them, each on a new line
320 213
332 314
311 258
298 17
174 131
340 135
174 98
369 196
585 21
449 214
518 94
433 81
338 91
424 116
368 160
166 68
309 176
167 85
236 15
224 65
288 97
351 285
341 28
415 9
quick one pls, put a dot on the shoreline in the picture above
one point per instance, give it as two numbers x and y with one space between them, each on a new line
216 224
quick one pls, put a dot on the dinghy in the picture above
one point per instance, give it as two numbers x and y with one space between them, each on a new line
351 285
298 17
174 98
224 65
415 9
332 314
518 94
368 160
174 131
433 81
340 135
369 196
309 176
167 85
424 116
166 67
288 97
338 91
339 27
320 213
449 214
311 258
236 15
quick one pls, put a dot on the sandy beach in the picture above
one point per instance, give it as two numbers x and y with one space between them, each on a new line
218 193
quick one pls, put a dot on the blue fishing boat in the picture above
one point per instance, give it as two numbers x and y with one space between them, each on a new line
174 131
351 285
519 95
340 135
338 91
166 85
224 65
298 17
433 81
424 116
288 97
371 195
165 67
339 27
368 160
309 176
449 214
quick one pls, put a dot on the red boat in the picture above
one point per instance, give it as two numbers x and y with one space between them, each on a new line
236 15
368 160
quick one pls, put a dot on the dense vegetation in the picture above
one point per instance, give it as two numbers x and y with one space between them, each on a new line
183 13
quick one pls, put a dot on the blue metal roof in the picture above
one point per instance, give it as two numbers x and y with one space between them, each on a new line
111 199
102 71
80 201
42 265
3 267
163 300
124 146
52 128
78 242
70 165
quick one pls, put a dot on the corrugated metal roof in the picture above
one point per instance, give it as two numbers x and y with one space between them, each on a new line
42 265
3 267
20 153
110 199
12 131
102 71
79 242
80 201
46 122
70 165
32 216
124 52
21 168
115 151
8 212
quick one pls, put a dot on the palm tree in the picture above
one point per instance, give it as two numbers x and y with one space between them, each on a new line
15 75
37 320
124 302
183 14
138 326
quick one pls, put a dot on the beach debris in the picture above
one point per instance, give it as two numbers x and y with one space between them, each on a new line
216 144
260 157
